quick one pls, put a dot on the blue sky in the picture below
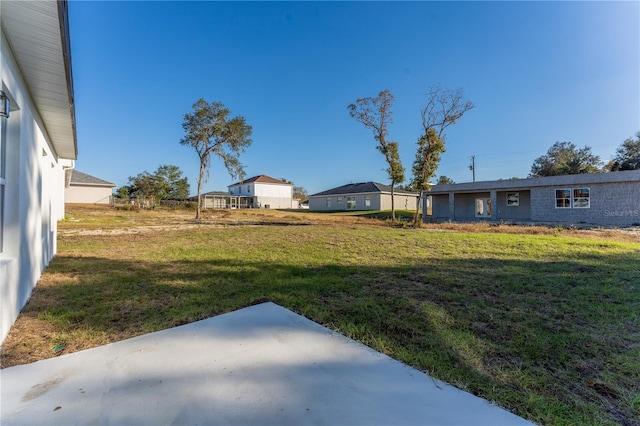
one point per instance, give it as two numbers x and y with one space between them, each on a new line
537 72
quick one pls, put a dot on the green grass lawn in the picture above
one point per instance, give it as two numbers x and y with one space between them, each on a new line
546 325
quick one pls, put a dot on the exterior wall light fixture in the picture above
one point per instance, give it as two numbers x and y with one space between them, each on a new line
4 104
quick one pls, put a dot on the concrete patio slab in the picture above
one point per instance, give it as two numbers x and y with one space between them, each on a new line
262 365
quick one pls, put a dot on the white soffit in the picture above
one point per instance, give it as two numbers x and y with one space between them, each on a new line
34 32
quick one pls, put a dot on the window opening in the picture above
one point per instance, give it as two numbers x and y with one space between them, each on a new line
351 202
581 198
483 207
563 198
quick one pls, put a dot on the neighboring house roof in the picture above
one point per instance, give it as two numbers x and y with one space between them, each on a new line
216 193
38 33
514 184
261 179
210 194
79 178
363 188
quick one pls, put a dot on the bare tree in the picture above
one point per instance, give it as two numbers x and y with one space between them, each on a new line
444 107
209 130
375 114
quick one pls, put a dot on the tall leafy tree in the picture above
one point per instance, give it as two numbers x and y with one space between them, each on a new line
444 108
627 155
444 180
430 149
123 192
144 187
166 183
564 158
209 130
300 193
171 184
375 114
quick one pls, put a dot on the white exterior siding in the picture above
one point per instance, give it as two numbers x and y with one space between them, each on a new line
263 194
33 201
86 194
273 195
272 190
33 198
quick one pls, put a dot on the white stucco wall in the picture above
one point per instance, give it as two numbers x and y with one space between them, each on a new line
87 194
273 195
273 202
265 194
273 190
34 196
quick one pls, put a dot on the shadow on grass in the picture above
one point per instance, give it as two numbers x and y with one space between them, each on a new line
537 337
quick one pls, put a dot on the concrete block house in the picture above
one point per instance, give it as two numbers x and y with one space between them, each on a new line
362 196
37 143
601 199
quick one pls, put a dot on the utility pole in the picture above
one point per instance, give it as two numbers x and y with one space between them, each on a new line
472 167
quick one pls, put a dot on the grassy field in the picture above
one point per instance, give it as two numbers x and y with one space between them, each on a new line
543 321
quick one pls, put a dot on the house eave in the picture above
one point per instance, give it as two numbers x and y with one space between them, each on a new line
344 194
93 185
38 35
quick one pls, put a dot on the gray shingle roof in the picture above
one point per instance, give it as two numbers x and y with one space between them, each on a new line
362 188
79 178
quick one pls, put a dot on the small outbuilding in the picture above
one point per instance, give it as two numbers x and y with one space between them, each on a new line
601 199
362 196
86 189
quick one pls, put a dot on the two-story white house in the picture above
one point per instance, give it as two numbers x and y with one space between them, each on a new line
264 192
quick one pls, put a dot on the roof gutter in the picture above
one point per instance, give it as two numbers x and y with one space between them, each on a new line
65 39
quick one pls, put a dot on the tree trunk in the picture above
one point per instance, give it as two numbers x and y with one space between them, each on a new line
200 190
393 203
417 219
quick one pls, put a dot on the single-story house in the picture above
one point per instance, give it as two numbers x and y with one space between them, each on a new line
264 192
602 199
38 144
362 196
87 189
